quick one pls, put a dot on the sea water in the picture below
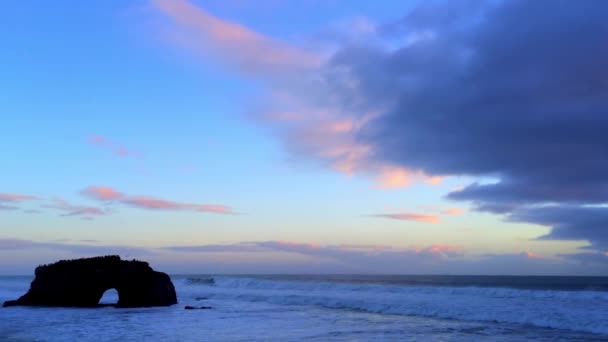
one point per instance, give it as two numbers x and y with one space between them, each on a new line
332 308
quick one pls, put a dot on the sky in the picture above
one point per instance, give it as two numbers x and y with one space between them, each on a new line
306 136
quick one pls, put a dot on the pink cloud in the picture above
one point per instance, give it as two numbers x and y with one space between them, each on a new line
102 193
148 202
411 217
115 148
8 197
211 208
251 51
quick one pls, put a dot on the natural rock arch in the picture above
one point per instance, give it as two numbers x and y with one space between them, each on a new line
82 283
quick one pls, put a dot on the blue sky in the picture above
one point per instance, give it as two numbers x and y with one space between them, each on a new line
238 136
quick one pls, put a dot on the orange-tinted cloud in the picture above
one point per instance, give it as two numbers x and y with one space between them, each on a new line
102 193
530 255
411 217
453 211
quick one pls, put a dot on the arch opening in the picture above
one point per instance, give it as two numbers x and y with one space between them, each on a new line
110 297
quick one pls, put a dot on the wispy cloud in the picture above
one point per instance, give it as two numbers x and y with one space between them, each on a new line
368 258
116 148
153 203
15 198
340 252
10 201
435 259
108 194
7 244
249 50
75 210
32 211
417 217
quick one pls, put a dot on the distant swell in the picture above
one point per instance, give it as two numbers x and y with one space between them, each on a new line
200 281
585 311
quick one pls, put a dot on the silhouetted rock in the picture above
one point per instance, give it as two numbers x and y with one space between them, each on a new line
188 307
82 283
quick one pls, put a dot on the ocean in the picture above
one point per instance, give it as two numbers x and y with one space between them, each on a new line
332 308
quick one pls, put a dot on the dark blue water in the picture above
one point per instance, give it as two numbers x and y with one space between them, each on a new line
333 308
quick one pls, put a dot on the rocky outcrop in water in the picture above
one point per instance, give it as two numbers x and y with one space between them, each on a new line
82 283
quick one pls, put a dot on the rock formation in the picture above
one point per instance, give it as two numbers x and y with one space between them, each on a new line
82 283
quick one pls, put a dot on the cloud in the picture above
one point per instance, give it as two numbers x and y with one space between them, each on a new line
153 203
433 259
8 200
339 252
32 211
249 50
568 222
594 258
75 210
238 247
501 89
510 92
102 193
341 258
15 198
452 211
105 194
338 258
7 244
411 217
312 105
115 148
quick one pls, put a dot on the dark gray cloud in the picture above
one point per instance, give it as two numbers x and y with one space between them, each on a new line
600 259
515 90
568 222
